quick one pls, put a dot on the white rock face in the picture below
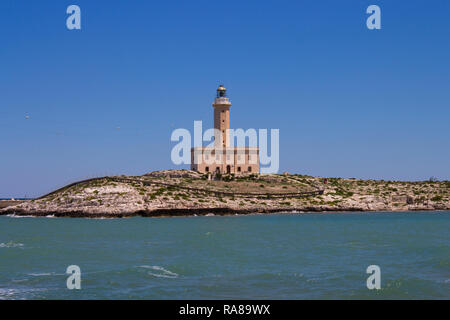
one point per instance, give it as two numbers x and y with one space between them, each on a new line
108 189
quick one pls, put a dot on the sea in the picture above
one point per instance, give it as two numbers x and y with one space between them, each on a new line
279 256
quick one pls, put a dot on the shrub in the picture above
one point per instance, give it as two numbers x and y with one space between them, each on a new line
436 198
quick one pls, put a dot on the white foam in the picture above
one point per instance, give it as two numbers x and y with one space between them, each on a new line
45 274
163 273
7 293
13 215
18 216
10 293
11 244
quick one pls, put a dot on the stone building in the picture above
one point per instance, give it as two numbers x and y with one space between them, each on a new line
224 157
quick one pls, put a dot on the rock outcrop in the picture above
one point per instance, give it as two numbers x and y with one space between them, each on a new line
184 192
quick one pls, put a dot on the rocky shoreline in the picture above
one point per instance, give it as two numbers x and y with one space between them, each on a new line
186 193
174 212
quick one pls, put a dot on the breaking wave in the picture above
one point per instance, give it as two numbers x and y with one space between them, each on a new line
11 244
46 274
160 272
13 215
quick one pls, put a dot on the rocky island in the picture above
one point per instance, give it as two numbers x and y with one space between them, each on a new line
184 193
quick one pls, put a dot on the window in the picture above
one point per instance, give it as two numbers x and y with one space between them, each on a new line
249 169
207 169
239 169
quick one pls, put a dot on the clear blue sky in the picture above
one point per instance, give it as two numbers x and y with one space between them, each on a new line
349 102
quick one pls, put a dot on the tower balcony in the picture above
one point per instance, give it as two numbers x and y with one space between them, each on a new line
222 100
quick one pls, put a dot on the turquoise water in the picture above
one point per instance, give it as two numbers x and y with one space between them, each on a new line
301 256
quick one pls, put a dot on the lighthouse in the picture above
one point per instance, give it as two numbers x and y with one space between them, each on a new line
224 158
222 118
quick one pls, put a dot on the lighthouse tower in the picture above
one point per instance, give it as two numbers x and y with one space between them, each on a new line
223 158
221 118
